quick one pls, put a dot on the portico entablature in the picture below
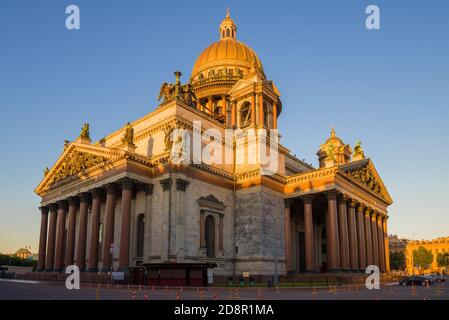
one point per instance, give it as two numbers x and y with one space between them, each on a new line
337 178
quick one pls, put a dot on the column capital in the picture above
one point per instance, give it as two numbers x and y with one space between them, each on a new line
166 184
110 187
331 194
44 209
360 207
53 206
148 188
307 198
62 204
374 215
343 197
84 197
368 212
288 202
352 203
182 184
72 201
97 192
126 183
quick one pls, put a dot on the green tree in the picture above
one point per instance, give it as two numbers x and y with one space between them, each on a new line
16 261
422 257
397 260
443 259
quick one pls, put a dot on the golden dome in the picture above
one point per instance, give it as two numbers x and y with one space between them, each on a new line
228 52
336 141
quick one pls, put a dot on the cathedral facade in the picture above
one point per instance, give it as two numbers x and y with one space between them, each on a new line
123 204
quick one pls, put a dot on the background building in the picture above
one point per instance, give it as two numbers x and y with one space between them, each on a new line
23 253
397 252
437 247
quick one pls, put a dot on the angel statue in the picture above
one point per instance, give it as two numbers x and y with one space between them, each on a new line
188 93
46 171
165 92
85 131
128 137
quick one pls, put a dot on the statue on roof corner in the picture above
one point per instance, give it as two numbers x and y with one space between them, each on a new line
85 131
128 137
169 91
330 152
358 151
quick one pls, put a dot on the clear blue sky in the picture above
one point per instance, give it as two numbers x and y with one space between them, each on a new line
389 88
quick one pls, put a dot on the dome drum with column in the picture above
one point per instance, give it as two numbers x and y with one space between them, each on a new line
225 68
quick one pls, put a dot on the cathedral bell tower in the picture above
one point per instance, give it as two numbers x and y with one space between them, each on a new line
334 152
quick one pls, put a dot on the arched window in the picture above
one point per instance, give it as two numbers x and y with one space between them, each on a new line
210 236
228 33
140 235
245 114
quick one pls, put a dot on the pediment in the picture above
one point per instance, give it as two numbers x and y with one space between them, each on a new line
212 202
240 85
364 172
76 160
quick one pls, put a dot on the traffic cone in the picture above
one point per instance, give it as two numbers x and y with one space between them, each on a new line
413 293
236 294
133 295
145 296
259 295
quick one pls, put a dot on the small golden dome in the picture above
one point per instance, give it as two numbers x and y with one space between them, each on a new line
227 53
333 139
